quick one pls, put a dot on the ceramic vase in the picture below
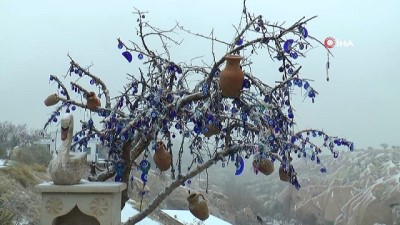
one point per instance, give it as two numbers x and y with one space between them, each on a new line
283 175
211 130
231 77
51 100
265 166
198 207
92 101
162 158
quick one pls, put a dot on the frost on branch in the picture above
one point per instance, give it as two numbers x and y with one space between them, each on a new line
160 103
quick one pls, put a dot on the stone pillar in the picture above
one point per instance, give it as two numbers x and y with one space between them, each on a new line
86 203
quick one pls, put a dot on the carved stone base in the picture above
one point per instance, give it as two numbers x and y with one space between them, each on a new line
86 203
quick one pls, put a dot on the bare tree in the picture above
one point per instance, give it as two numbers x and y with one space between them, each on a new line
161 104
12 135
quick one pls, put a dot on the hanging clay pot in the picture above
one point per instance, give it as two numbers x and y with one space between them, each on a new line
211 130
231 77
283 175
92 101
198 207
265 166
161 157
51 100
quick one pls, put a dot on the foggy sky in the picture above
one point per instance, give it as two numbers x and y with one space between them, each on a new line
360 102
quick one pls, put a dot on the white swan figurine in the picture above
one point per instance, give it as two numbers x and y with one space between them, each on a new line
66 169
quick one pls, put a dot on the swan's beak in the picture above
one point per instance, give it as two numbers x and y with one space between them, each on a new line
64 133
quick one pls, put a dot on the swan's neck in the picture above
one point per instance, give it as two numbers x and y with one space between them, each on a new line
66 145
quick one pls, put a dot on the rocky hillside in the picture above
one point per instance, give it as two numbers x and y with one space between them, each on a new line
16 192
359 188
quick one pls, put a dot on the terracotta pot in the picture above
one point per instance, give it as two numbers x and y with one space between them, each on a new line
211 130
161 157
265 166
92 101
51 100
198 207
231 77
283 175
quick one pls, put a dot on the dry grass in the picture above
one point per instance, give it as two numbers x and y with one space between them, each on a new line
21 173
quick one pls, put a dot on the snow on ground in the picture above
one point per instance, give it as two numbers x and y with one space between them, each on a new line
2 161
186 217
129 211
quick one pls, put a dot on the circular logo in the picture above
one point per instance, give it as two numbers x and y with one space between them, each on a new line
329 42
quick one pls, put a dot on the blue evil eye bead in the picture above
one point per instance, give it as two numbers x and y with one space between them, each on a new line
189 181
294 55
290 71
178 69
287 46
306 85
120 45
216 72
290 115
154 114
55 119
140 56
144 165
239 166
336 155
271 138
323 170
244 116
271 122
239 42
73 108
351 147
127 55
301 46
205 129
246 83
204 89
281 69
51 77
68 111
170 98
172 114
197 129
144 177
311 94
118 178
91 81
304 32
90 122
76 138
178 126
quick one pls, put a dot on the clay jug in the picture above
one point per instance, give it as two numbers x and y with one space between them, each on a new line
231 77
211 130
283 175
198 207
92 101
265 166
51 100
161 157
